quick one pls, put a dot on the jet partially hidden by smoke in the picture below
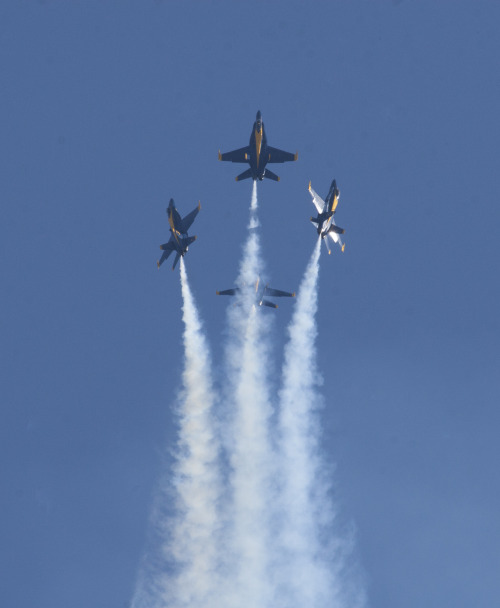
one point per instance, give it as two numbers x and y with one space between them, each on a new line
248 521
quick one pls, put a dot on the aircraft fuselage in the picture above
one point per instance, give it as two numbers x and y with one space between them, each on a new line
258 149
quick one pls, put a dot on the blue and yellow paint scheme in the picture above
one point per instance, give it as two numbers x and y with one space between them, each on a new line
179 238
258 154
324 222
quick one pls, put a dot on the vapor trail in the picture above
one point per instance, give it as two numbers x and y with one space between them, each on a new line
314 559
304 573
250 455
185 574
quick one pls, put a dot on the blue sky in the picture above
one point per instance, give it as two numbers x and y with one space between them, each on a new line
108 109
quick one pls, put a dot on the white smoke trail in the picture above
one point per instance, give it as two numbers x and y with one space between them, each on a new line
249 546
240 556
298 400
310 568
185 575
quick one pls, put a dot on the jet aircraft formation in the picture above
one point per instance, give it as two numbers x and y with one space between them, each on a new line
258 154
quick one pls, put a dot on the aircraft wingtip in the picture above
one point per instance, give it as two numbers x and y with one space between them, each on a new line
158 264
220 155
236 178
343 247
217 293
293 294
199 205
309 188
296 156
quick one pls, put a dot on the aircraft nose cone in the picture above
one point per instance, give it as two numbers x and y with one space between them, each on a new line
259 115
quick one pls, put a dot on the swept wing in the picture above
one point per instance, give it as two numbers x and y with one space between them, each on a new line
189 219
277 293
275 155
268 303
241 155
228 292
318 202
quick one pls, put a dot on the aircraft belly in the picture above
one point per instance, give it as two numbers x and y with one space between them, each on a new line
258 146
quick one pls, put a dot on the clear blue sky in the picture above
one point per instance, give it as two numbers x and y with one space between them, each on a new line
108 109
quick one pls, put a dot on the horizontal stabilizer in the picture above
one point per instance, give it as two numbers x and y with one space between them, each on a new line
267 303
164 256
228 292
187 241
337 229
270 175
178 255
245 175
315 220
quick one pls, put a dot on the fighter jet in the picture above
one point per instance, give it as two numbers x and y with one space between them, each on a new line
324 222
258 154
181 226
179 239
260 294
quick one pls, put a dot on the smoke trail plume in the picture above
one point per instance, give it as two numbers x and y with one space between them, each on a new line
314 559
249 545
304 572
256 528
185 574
